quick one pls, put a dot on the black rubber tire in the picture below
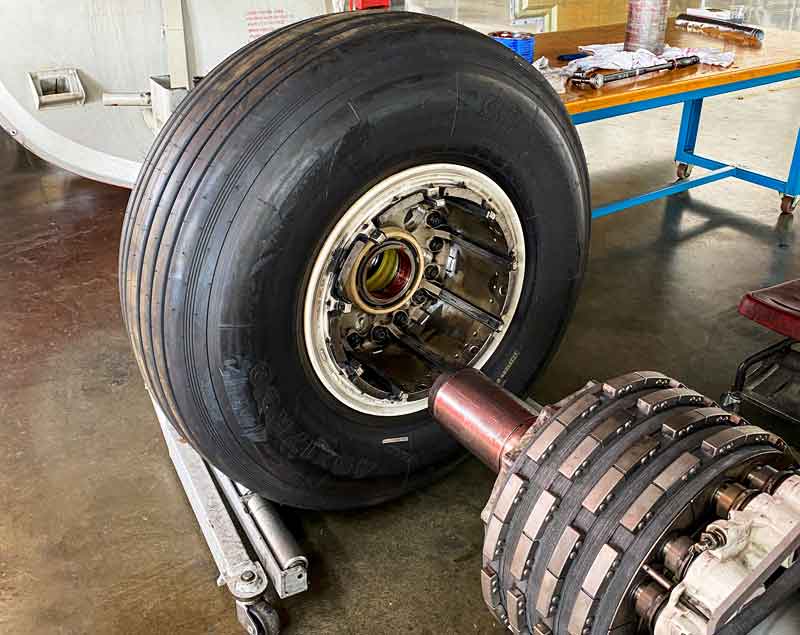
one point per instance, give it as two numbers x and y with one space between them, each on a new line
243 184
267 620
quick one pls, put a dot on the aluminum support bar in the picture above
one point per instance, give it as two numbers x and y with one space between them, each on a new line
244 578
281 541
212 495
286 582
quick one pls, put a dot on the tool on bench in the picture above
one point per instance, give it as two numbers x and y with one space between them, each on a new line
647 25
699 21
569 57
522 44
596 79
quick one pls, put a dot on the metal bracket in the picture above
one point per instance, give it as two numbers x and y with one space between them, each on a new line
755 579
176 44
57 87
268 537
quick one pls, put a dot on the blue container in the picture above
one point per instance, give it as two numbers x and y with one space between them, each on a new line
521 43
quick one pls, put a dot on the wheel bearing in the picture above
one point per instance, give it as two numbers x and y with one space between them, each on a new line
389 291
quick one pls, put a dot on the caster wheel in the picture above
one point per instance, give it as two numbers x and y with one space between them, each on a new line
788 204
265 619
684 171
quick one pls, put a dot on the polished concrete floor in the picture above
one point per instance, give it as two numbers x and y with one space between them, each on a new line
96 535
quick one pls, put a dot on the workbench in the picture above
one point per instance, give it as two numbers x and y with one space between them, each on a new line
776 60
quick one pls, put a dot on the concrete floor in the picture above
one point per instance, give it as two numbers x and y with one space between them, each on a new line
96 535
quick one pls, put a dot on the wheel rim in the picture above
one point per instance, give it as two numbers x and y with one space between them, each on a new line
421 275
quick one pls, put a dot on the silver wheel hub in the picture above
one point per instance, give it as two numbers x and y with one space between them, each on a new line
421 275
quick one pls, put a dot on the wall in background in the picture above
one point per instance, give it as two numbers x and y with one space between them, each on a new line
779 14
576 14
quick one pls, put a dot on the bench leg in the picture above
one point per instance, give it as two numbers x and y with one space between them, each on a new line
687 137
792 194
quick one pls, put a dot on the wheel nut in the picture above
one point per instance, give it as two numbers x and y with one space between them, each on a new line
401 319
380 334
431 272
434 220
419 297
436 244
354 340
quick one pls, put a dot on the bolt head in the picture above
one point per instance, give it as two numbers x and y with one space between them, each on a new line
419 297
248 576
435 220
400 319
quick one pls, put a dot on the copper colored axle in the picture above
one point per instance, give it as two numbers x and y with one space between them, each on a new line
484 417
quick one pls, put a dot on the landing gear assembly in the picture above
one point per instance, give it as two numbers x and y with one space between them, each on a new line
634 505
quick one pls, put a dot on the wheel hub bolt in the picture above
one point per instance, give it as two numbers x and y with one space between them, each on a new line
435 220
401 319
436 244
419 297
354 340
380 334
431 272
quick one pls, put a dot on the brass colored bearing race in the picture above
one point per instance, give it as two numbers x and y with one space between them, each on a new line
398 285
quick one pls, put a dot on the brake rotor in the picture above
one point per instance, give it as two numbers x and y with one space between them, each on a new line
606 501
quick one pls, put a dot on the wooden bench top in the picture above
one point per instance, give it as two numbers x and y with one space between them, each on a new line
779 53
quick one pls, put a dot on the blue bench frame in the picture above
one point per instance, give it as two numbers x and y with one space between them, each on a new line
690 124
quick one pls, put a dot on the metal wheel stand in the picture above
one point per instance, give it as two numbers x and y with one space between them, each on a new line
237 524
